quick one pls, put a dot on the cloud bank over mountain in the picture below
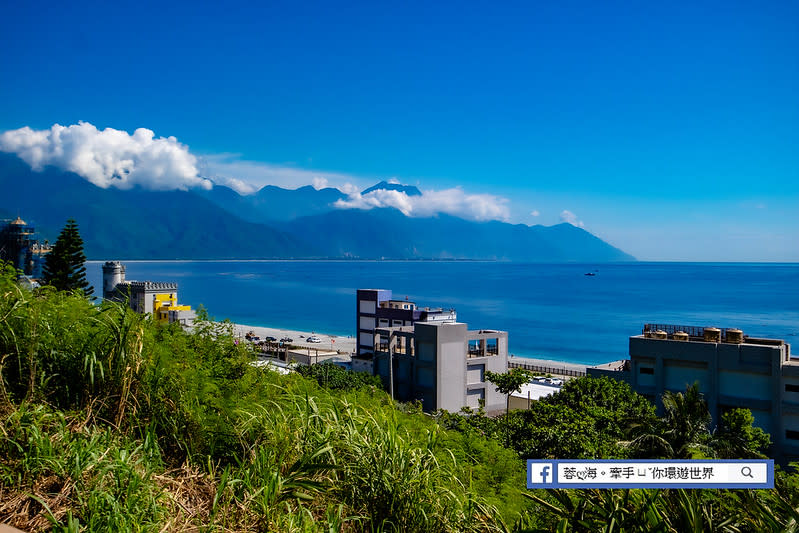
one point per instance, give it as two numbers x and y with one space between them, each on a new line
477 207
115 158
246 177
109 157
570 218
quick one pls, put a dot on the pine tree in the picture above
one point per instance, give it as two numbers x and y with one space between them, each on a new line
64 266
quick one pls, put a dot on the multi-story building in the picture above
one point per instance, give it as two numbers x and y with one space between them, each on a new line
375 308
160 299
443 364
422 353
732 369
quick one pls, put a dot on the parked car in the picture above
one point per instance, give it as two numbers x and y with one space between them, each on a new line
313 339
557 382
271 339
286 339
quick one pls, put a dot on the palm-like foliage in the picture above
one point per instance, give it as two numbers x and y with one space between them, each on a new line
687 421
683 431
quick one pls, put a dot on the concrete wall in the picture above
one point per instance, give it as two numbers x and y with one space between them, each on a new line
450 362
748 375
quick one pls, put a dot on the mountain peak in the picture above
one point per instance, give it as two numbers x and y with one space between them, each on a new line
410 190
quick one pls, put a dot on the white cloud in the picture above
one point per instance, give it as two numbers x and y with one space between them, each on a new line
114 158
109 157
240 186
571 218
221 167
319 183
394 181
535 213
454 201
349 189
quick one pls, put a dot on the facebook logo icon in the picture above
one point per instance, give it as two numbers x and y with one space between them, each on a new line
540 474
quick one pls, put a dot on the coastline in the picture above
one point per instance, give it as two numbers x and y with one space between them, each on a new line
346 345
339 343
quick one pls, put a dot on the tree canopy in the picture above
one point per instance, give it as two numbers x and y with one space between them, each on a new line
508 382
64 267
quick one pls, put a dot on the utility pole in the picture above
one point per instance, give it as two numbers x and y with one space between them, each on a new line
391 368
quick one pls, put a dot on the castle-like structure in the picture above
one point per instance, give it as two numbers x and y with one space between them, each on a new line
157 298
20 246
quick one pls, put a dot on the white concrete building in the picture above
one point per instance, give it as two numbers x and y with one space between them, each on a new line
443 364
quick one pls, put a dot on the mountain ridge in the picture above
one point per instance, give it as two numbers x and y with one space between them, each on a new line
142 224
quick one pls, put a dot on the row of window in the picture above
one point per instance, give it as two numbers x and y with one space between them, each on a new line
384 322
789 387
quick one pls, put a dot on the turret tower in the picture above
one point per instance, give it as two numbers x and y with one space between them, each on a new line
113 275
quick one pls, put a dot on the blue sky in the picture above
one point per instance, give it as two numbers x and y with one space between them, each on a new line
669 130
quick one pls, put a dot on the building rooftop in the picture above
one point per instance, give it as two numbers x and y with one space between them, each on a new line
151 285
703 334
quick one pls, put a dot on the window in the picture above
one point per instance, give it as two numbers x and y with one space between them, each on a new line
492 346
646 370
474 348
791 434
791 387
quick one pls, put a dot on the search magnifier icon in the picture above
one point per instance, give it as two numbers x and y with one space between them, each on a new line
747 472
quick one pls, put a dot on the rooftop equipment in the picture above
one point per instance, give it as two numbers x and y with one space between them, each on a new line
712 335
680 336
735 336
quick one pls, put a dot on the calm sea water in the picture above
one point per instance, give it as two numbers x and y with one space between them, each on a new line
550 311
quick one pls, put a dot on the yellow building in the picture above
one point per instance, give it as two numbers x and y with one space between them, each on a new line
165 303
160 299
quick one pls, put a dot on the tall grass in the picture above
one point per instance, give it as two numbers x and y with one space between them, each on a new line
112 422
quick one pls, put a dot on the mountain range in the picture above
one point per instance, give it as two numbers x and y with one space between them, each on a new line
272 223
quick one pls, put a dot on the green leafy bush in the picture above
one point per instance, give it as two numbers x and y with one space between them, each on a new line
334 377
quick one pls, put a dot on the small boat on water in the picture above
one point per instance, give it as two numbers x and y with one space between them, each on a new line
589 274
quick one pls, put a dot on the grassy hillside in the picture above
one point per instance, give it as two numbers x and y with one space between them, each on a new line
112 422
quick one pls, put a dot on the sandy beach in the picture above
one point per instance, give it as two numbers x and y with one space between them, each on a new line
346 345
341 344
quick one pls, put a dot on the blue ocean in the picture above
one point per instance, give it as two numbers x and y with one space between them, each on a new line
550 311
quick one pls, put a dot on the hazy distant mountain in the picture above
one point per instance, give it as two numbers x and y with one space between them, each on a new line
410 190
136 224
387 233
141 224
273 203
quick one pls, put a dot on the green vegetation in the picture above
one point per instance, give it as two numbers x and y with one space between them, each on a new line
64 266
110 421
509 382
332 376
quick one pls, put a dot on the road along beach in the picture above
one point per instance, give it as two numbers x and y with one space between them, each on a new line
346 345
545 366
341 344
